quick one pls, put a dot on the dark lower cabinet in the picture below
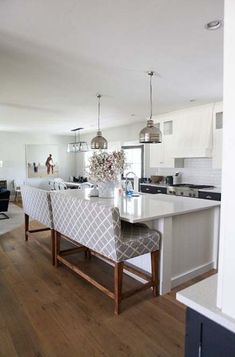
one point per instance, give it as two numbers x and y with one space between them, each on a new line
205 338
152 189
210 195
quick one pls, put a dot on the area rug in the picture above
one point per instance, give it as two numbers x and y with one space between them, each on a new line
16 219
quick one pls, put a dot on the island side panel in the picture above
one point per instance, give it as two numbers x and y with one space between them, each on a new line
195 237
189 247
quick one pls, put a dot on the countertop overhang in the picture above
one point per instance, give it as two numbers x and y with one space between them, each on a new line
148 207
201 297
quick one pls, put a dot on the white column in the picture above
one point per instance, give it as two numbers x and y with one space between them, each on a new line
226 287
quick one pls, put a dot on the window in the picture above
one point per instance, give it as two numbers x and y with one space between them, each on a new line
134 159
168 127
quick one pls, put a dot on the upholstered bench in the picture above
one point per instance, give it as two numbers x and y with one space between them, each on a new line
37 205
99 228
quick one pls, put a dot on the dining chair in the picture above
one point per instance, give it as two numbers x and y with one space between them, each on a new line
37 206
59 184
17 189
99 228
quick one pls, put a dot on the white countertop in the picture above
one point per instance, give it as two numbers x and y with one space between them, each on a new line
148 207
201 297
155 184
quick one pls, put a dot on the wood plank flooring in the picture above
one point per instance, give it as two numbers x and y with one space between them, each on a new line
46 311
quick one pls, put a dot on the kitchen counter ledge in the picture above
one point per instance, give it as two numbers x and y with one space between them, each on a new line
201 297
148 207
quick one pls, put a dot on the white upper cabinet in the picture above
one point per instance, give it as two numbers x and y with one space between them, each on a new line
193 132
217 136
161 155
188 133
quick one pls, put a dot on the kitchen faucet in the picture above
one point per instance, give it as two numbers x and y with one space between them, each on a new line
135 181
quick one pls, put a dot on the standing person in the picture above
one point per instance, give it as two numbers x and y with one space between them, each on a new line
35 167
50 165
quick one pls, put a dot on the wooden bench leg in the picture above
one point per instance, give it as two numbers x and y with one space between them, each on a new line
118 274
57 247
53 246
26 225
155 271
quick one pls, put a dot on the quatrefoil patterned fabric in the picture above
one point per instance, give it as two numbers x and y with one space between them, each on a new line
37 204
99 228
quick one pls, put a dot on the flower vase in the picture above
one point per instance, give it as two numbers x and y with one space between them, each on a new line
106 189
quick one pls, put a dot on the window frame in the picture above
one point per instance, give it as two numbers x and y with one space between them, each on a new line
128 147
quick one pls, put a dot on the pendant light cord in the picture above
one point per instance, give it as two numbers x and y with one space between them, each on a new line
98 96
151 94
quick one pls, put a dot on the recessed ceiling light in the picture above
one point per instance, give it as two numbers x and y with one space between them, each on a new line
214 25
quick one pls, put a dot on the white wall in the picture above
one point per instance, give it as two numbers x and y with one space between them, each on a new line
12 153
226 288
196 171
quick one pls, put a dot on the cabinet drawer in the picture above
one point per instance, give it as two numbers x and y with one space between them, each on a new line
153 189
210 195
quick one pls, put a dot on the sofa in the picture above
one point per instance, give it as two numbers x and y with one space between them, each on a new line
4 202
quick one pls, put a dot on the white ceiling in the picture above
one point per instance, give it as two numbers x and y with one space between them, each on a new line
55 55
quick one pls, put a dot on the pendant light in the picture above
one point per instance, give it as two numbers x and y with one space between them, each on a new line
99 142
150 134
77 145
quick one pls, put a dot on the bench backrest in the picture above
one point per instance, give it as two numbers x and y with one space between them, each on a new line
37 204
91 224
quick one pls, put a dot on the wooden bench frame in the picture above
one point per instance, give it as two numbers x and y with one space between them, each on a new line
116 295
28 232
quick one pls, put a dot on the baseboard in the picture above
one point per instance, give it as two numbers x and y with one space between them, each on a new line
190 274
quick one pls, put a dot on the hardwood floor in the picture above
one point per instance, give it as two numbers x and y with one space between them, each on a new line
46 311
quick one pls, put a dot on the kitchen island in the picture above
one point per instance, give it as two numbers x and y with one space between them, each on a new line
189 228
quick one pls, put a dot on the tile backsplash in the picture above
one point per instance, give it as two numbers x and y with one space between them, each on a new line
196 171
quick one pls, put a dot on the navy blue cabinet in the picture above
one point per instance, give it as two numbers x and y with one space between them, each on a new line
205 338
153 189
210 195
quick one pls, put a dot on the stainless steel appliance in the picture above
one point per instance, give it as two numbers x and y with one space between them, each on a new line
187 190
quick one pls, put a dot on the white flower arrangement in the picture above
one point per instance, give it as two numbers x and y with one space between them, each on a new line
105 166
